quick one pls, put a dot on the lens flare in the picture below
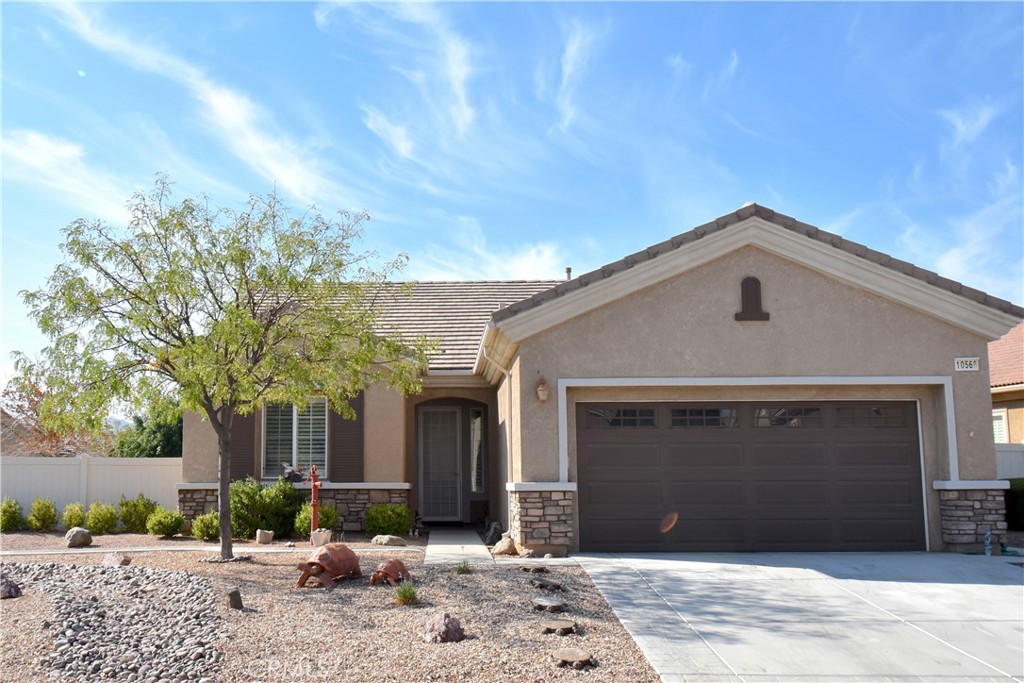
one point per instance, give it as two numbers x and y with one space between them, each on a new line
668 522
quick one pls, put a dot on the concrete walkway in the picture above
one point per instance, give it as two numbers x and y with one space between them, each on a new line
836 618
454 545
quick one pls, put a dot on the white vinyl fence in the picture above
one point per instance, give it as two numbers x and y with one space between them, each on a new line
1009 460
84 479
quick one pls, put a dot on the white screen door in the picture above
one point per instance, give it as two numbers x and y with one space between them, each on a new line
440 458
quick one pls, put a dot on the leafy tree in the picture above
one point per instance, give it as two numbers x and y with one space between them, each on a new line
150 438
215 310
25 433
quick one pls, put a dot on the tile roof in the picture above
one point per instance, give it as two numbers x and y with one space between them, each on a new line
748 211
1006 358
454 313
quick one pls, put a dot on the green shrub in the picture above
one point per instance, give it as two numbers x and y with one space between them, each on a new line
244 497
206 527
134 513
392 520
74 515
279 504
43 515
11 517
463 568
405 594
101 519
303 520
164 522
1015 505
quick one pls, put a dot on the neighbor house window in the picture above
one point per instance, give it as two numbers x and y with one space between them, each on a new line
999 426
294 437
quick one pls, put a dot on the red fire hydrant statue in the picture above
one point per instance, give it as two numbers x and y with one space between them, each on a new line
314 503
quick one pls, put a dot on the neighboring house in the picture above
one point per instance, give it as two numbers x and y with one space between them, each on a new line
752 384
1006 374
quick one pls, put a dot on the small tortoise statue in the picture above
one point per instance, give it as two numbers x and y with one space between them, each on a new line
327 563
391 570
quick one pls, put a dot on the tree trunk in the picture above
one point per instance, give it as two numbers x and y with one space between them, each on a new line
224 488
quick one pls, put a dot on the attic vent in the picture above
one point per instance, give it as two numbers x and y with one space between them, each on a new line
750 297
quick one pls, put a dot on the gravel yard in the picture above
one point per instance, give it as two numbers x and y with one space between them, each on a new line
352 633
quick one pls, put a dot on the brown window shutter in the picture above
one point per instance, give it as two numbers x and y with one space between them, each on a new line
345 445
242 448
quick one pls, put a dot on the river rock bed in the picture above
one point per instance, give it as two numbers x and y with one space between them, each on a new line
137 624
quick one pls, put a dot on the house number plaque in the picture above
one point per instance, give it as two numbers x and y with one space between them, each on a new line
966 364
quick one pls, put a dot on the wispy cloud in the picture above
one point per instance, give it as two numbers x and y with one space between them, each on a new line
396 136
968 123
721 80
468 255
59 166
578 44
247 129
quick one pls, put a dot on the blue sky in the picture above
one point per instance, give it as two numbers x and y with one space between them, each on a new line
501 140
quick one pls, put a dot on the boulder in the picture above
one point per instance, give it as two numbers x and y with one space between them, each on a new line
506 546
264 536
8 589
443 628
235 598
388 540
77 537
116 560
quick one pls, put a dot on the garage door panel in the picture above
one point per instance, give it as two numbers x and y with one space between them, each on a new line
788 455
848 479
705 455
813 492
705 492
876 455
610 455
879 493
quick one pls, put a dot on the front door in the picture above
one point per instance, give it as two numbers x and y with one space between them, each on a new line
440 460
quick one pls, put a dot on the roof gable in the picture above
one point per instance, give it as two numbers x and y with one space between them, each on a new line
754 225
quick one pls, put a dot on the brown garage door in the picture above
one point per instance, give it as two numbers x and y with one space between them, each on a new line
797 476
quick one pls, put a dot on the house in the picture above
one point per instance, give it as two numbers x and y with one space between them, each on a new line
753 384
1006 375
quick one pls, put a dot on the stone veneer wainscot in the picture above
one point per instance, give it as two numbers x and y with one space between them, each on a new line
542 518
351 503
968 514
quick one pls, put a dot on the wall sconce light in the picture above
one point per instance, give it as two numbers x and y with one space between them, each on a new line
542 390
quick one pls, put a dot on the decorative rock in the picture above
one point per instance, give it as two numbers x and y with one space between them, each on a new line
506 546
8 589
235 598
546 584
535 568
493 534
443 628
116 560
544 602
264 536
548 556
573 657
560 626
526 552
77 537
388 540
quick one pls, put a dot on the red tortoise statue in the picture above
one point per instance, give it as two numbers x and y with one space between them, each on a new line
391 570
327 563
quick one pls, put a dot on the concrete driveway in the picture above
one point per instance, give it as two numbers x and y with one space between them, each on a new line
820 617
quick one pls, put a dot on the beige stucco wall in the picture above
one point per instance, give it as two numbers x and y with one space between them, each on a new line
684 327
383 435
198 450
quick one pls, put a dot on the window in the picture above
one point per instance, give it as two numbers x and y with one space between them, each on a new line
999 426
750 300
787 417
704 417
620 417
869 416
293 437
477 432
